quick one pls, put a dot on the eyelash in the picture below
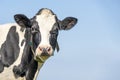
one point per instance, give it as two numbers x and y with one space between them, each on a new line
54 31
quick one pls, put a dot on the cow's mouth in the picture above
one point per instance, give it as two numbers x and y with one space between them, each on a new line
41 58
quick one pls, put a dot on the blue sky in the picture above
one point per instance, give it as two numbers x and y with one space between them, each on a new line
91 50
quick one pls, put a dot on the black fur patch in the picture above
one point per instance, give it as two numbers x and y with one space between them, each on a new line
31 70
28 65
21 69
22 42
53 36
1 66
10 48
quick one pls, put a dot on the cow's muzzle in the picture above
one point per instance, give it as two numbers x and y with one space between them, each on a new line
45 51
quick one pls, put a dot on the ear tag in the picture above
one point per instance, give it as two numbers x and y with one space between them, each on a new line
30 43
57 47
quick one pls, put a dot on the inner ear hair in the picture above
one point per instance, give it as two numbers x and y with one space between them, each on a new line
68 23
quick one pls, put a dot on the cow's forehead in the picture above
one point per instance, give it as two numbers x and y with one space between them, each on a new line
46 19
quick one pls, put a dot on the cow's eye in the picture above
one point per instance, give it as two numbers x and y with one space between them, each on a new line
54 31
53 37
54 34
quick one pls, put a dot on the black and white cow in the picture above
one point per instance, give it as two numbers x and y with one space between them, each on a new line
26 46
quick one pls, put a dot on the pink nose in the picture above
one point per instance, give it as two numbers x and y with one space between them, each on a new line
45 50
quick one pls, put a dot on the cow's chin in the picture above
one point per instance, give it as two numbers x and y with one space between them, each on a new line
41 59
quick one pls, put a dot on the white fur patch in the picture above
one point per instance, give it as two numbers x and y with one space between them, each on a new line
45 20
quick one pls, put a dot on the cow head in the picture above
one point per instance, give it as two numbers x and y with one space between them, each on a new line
45 27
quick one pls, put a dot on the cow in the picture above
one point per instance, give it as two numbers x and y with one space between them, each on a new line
28 43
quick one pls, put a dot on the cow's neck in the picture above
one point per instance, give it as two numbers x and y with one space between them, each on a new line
38 69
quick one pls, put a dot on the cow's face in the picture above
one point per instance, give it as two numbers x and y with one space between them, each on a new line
48 33
45 28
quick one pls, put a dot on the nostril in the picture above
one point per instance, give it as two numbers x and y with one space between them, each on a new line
41 49
48 49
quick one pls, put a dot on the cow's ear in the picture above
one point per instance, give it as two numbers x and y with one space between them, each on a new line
22 20
67 23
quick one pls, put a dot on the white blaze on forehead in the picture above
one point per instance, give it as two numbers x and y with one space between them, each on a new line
45 20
